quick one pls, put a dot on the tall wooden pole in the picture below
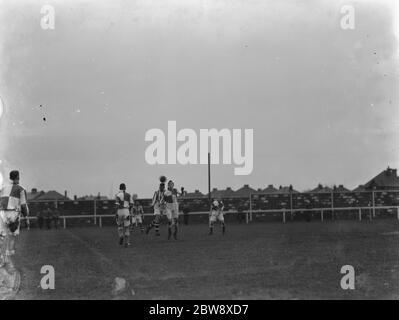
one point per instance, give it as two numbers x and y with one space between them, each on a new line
209 179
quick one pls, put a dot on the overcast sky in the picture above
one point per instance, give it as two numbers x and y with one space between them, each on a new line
322 101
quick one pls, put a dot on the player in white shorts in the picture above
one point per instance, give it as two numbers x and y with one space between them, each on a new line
124 203
137 216
216 215
158 203
172 213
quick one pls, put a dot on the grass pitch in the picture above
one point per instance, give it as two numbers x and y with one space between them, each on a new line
297 260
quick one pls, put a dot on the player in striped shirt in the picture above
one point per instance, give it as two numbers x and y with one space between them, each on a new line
123 202
172 213
159 205
12 205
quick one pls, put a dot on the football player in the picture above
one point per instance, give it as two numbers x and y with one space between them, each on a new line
12 205
137 216
172 213
124 203
216 215
158 203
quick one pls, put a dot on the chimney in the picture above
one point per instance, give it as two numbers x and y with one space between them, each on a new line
75 197
228 188
270 186
215 189
395 173
66 194
197 191
246 185
34 190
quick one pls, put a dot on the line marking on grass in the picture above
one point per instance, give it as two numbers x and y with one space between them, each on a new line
94 251
393 233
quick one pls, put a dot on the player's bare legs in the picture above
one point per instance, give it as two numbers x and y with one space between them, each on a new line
10 252
141 226
127 235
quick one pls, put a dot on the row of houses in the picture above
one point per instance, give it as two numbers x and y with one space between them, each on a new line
52 195
385 180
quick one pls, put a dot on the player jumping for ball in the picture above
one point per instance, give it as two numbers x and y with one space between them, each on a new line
172 213
124 203
216 215
158 203
137 216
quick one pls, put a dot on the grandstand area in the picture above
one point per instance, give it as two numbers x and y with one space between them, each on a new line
296 260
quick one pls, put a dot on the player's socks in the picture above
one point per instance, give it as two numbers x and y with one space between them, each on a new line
175 233
223 228
127 242
152 224
120 240
210 230
169 232
156 228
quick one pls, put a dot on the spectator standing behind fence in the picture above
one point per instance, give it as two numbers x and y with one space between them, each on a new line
40 219
48 216
240 214
56 217
186 210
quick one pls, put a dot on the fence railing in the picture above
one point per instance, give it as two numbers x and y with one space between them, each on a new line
98 219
